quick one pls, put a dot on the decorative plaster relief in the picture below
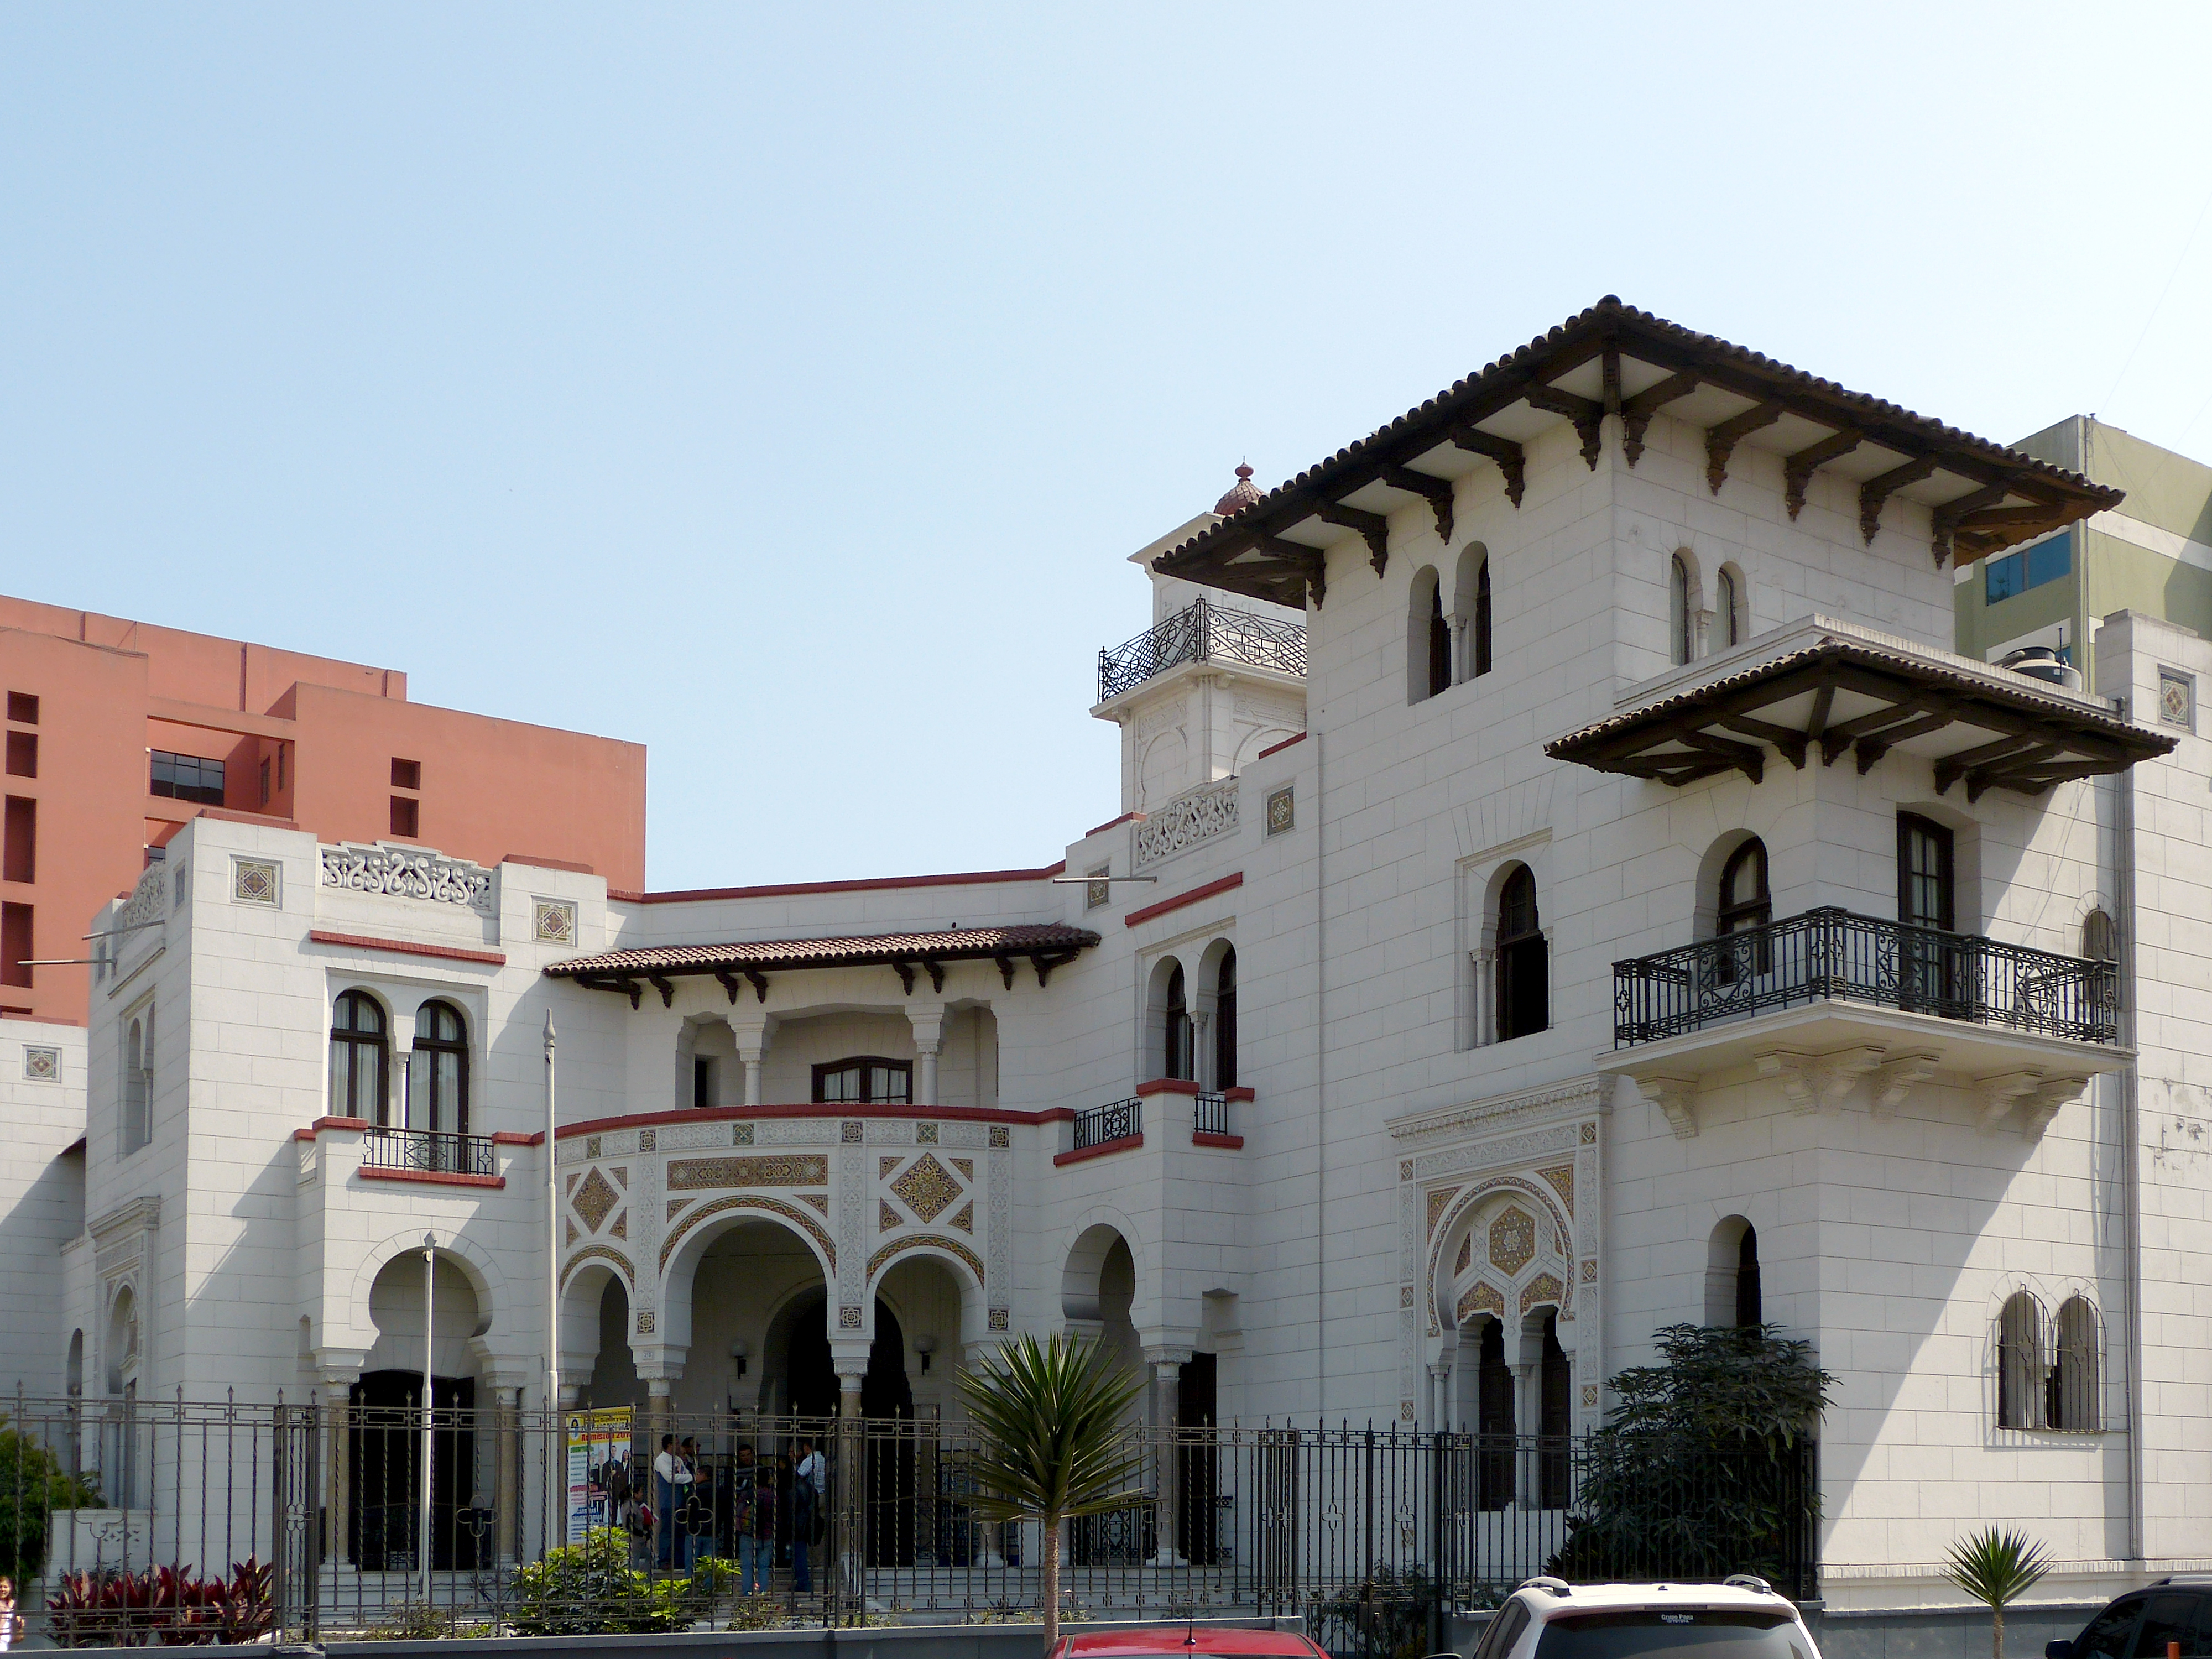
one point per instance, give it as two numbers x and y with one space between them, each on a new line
1194 816
396 872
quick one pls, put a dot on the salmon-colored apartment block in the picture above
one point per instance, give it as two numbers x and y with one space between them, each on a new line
118 732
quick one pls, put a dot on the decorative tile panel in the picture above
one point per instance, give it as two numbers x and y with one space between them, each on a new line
2177 699
1000 1135
848 1318
1590 1272
1483 1297
644 1325
1562 1179
594 1198
1282 809
256 881
966 1166
849 1132
924 1135
552 922
927 1187
884 1166
964 1217
886 1216
819 1201
1589 1396
647 1140
41 1065
1438 1199
741 1134
950 1246
1466 1255
998 1319
620 1226
765 1170
1543 1288
1512 1240
395 871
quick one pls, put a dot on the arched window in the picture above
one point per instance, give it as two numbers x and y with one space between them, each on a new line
1481 646
1493 1418
1176 1056
1524 973
360 1049
1750 1303
2073 1405
2020 1384
865 1080
1745 905
1439 642
438 1091
1555 1405
1224 1022
1727 606
137 1125
1681 611
2100 940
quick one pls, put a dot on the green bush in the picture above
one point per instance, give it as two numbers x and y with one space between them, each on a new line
32 1486
590 1587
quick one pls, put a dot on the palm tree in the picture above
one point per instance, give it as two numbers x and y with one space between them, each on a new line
1049 1415
1995 1568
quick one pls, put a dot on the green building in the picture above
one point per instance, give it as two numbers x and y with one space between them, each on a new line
2152 554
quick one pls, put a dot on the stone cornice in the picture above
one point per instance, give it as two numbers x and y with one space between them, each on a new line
143 1213
1579 1094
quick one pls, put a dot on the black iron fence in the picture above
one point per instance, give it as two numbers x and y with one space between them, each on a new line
1115 1121
1830 953
1202 633
428 1152
1209 1113
133 1522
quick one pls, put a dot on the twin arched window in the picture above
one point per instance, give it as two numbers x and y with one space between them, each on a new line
2037 1388
1524 968
1224 1022
437 1093
1435 661
1179 1040
137 1125
1177 1059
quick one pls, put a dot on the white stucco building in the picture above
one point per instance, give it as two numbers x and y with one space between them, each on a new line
1567 888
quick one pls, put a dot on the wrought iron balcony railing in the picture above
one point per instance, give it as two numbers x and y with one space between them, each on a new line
1209 1114
428 1153
1202 633
1832 953
1116 1121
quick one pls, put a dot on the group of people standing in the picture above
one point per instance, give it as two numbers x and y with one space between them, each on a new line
769 1505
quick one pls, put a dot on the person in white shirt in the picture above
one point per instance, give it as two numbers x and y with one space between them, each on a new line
11 1622
810 1488
671 1485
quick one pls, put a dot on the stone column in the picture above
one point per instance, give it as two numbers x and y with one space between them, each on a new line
1461 669
1440 1395
337 1371
1486 997
1167 1387
1202 1056
751 1039
1525 1413
927 1019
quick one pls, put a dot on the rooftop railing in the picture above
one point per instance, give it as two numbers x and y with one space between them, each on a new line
1202 633
1831 953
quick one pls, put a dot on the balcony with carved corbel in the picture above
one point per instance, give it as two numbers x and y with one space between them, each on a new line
1824 1002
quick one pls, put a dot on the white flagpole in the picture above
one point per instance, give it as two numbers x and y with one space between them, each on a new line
422 1502
557 1465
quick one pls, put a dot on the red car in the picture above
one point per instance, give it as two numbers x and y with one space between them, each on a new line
1191 1640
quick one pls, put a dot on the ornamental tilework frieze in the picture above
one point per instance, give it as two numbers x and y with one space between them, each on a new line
791 1169
927 1189
952 1246
1544 1288
1482 1296
1512 1240
796 1132
408 872
1001 1136
851 1191
924 1135
998 1229
599 1252
761 1201
1562 1178
964 1134
681 1137
741 1134
1502 1153
819 1201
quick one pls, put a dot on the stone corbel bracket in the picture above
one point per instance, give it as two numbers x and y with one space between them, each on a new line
2039 1098
1892 1081
1811 1082
1676 1096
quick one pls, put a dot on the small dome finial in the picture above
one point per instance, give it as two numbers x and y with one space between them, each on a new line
1242 493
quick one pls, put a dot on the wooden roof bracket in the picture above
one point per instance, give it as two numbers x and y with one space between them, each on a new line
905 970
1436 491
1877 490
936 972
667 990
1373 527
1045 961
1947 518
759 982
1798 470
1721 440
1952 767
729 983
1512 461
1635 412
1587 413
1005 970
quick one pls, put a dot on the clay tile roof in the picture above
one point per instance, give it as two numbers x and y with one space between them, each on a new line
1639 334
846 950
1242 493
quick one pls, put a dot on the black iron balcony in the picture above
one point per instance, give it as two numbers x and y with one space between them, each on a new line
1209 1113
428 1153
1202 633
1830 953
1118 1120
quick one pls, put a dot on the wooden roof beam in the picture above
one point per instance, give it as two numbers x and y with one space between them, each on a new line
1947 518
1512 461
1373 527
1437 492
1748 758
1952 767
1721 440
1872 749
1789 744
1876 492
1797 471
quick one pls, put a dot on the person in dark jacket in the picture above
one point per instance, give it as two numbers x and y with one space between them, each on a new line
753 1514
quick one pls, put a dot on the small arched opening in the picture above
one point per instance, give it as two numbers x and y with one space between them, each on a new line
1731 607
361 1059
1682 610
2021 1380
1524 972
1428 638
2074 1406
1471 610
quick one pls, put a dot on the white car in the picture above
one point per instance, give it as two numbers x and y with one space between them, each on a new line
1742 1618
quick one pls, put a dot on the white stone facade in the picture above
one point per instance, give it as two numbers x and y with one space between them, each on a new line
1904 1176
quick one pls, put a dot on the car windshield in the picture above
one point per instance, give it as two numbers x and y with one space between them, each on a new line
1677 1633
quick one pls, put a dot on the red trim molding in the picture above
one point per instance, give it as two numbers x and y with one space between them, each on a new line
1207 1138
535 862
829 1109
432 1177
1239 1092
872 885
1119 1144
1110 823
407 947
1193 896
1278 748
508 1137
1168 1085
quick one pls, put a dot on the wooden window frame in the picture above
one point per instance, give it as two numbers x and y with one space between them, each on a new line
829 1068
457 1047
354 1039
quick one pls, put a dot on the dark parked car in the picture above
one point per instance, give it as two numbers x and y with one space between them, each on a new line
2174 1616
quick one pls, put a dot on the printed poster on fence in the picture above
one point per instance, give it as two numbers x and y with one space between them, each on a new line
599 1447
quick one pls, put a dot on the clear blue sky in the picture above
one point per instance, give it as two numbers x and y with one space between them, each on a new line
784 387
